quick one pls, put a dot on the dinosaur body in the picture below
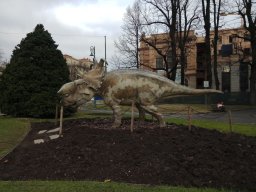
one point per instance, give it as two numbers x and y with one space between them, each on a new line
122 87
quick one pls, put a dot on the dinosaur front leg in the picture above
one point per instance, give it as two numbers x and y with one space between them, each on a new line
141 112
117 115
151 109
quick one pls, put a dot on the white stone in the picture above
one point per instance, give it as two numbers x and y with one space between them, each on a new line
38 141
53 130
42 131
54 137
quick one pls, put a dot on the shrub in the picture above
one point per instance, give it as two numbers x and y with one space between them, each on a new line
37 69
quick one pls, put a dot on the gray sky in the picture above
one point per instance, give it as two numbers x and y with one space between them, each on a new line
75 25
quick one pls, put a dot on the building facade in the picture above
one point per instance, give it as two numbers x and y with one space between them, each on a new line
232 60
74 65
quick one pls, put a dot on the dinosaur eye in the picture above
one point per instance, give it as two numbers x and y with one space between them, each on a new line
66 95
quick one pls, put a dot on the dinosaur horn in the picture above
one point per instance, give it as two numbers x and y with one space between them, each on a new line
98 71
80 73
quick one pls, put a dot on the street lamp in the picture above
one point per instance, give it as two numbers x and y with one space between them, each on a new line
92 49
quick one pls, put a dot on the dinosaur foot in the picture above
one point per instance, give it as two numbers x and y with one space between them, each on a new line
162 125
115 125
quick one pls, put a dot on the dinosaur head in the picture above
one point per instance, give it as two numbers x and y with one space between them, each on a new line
80 91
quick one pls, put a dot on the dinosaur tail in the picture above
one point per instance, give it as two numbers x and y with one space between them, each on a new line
179 90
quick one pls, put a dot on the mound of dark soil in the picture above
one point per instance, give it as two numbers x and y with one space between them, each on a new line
90 150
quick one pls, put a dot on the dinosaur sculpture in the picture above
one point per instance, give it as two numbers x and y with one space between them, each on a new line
122 87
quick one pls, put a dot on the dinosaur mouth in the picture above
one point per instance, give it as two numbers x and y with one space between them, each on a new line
74 104
65 103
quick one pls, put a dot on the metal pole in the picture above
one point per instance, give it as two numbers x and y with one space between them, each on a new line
94 56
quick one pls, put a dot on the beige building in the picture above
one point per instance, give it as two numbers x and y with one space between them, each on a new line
84 64
151 60
233 58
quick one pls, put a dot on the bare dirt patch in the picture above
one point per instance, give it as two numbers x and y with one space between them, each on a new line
90 150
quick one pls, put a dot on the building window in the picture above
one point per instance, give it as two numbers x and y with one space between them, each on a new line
220 39
230 39
200 83
169 59
226 69
226 78
247 37
159 62
226 81
244 76
200 56
247 51
226 50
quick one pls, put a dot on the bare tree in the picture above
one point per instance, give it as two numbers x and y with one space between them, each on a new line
216 20
163 14
128 43
247 10
186 19
207 27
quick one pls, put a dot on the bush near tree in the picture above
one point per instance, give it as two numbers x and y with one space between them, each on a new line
37 69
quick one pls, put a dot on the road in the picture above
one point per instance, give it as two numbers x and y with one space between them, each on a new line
247 116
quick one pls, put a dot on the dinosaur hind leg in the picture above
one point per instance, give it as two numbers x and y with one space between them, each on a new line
117 115
151 109
141 112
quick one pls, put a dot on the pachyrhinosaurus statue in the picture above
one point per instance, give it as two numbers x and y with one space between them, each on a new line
122 87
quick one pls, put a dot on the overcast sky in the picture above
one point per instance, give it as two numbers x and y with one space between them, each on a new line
75 25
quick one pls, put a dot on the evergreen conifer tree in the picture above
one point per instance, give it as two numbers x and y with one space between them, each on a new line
37 69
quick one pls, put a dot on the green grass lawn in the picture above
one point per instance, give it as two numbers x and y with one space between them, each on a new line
12 131
90 186
244 129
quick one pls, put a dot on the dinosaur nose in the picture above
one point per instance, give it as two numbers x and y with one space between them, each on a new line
59 92
60 97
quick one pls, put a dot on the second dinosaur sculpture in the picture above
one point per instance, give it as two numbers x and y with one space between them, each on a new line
122 87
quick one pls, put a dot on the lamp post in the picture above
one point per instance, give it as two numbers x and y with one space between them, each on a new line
92 49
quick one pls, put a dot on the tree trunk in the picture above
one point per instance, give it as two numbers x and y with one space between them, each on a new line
137 48
174 62
173 31
215 60
182 66
253 90
253 74
216 15
208 53
207 27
